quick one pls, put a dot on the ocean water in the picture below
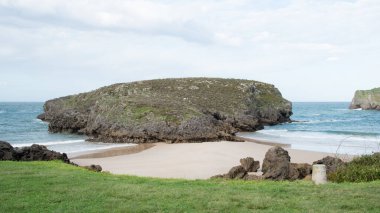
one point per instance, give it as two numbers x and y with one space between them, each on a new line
20 127
327 127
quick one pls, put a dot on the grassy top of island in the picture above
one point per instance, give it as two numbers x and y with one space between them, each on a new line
176 110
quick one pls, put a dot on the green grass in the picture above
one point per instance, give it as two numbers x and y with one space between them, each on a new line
361 169
58 187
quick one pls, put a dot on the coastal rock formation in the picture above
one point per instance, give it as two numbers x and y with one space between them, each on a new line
30 153
366 99
6 151
169 110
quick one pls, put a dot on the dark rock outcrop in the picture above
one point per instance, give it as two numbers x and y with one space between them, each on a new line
169 110
276 164
331 163
6 151
366 99
30 153
38 153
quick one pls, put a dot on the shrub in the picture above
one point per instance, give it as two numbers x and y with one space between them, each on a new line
361 169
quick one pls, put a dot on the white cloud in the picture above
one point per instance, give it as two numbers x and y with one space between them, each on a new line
55 42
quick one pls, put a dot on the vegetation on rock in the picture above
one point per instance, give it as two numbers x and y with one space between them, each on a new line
173 110
366 99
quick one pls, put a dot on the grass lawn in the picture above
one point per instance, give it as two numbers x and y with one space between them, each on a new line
58 187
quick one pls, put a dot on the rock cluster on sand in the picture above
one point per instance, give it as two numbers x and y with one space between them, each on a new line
277 166
169 110
366 99
35 153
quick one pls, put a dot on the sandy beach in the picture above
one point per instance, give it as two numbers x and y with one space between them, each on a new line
186 160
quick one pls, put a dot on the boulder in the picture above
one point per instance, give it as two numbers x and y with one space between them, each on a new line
236 172
6 151
249 164
299 171
276 165
331 163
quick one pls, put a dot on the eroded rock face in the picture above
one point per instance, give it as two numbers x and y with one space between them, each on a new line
169 110
331 163
276 164
366 99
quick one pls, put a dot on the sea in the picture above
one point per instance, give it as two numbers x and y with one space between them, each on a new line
327 127
20 127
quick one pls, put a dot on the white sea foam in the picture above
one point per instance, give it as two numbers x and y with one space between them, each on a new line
50 143
320 141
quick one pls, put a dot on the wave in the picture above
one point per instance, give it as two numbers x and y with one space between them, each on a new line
327 121
49 143
321 135
2 111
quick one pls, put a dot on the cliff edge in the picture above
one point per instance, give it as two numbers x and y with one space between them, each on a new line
366 99
169 110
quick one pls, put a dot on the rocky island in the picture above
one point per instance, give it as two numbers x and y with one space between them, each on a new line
366 99
169 110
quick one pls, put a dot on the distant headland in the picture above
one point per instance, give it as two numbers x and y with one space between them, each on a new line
366 99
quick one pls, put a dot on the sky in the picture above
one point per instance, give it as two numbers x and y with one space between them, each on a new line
312 50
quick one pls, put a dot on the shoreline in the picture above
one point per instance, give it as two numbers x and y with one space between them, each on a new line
187 160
